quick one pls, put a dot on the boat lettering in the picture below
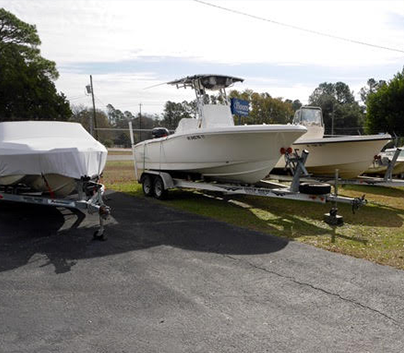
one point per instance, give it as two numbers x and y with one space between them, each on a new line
196 137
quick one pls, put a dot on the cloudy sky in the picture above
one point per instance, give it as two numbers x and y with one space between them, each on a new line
130 45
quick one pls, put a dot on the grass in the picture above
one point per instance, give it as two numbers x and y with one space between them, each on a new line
119 153
375 232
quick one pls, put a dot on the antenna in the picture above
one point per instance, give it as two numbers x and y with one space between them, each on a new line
159 84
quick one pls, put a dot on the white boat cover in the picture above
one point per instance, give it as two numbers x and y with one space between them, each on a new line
49 147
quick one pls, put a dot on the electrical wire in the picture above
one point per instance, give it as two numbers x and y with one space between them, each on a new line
75 98
143 104
99 100
302 29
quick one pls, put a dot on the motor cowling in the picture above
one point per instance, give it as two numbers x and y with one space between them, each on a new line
158 132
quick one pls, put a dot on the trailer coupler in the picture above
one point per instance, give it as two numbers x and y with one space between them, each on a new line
358 202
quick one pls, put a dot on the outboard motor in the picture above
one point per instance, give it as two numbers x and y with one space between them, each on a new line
160 132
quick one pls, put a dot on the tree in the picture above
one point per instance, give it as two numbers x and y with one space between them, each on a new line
27 91
115 116
339 108
82 115
145 122
120 120
385 107
296 104
264 108
372 87
174 112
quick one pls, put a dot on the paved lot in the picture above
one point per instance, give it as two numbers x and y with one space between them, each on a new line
168 281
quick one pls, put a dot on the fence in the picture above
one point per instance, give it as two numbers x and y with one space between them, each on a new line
119 137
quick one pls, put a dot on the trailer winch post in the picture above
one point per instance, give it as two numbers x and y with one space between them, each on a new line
333 218
299 168
391 163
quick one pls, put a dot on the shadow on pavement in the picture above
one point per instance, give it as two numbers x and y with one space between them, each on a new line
66 237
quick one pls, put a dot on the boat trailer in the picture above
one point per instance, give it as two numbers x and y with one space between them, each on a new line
386 181
89 198
156 183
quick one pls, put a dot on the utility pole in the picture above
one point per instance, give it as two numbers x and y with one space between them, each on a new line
90 89
92 95
140 122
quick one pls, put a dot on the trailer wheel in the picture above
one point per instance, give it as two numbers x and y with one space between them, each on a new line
314 189
147 185
158 188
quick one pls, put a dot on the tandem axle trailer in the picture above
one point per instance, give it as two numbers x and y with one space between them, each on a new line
156 184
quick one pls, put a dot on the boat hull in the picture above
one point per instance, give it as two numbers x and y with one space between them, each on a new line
351 156
375 169
11 179
56 184
241 154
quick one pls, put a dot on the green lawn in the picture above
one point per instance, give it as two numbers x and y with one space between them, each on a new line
119 153
375 232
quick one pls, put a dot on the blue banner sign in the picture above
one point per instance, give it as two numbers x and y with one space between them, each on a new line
239 107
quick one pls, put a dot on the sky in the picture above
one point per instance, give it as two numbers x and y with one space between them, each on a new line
128 46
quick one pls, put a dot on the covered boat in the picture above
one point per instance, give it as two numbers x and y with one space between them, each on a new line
210 145
48 156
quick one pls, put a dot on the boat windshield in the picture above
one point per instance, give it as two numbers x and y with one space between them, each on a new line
311 117
391 151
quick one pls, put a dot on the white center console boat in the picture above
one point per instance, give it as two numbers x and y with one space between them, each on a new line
211 145
383 159
351 155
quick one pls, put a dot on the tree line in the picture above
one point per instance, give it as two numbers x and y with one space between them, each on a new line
28 92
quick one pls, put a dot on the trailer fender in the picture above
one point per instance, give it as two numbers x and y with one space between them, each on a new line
166 177
167 180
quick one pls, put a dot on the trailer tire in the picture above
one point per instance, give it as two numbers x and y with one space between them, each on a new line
147 185
159 191
314 189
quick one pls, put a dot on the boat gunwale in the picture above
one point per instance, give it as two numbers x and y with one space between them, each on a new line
350 139
232 130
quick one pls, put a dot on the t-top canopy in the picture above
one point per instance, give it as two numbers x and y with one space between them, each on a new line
211 82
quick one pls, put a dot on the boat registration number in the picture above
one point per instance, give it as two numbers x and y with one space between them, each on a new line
196 137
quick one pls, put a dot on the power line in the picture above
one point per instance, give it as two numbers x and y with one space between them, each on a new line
99 100
74 98
133 105
299 28
151 104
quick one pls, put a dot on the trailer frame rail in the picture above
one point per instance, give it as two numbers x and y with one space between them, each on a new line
89 198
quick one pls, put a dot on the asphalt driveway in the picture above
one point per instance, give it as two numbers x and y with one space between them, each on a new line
169 281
